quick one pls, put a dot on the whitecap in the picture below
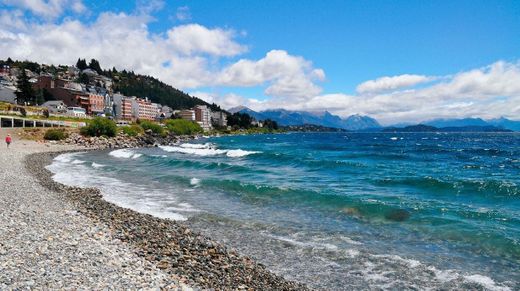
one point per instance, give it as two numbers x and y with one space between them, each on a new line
239 153
206 151
124 154
194 181
393 138
77 162
485 282
96 165
196 146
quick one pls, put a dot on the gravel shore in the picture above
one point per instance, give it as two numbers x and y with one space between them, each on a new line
46 243
55 236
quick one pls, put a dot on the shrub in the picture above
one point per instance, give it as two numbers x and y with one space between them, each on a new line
154 127
100 126
132 130
183 127
55 134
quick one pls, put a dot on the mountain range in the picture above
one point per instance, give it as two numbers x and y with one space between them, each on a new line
366 123
290 118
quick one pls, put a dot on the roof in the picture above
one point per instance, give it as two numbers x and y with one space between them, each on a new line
53 102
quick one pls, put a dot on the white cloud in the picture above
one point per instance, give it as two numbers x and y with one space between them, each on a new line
225 101
288 76
487 92
193 39
48 8
391 83
183 13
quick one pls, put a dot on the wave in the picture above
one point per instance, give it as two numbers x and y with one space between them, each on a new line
206 150
96 165
125 154
489 188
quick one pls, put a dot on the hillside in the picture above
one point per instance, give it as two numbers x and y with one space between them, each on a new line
131 84
125 82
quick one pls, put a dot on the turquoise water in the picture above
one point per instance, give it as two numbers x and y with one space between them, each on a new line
335 210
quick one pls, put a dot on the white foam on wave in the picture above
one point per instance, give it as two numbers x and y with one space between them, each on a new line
394 138
206 150
486 282
196 145
155 202
125 154
77 162
194 181
239 153
96 165
313 245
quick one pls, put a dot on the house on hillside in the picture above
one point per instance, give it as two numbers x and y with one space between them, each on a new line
55 106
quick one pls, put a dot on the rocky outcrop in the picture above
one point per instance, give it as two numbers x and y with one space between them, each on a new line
122 140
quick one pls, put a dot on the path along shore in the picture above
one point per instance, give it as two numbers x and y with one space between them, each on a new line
58 237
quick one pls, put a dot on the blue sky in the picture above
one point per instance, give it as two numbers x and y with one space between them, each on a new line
394 60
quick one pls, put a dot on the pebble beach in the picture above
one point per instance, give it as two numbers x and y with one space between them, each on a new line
59 237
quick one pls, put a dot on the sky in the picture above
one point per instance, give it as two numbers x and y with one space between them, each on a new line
396 61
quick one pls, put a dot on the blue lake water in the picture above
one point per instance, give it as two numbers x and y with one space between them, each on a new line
335 210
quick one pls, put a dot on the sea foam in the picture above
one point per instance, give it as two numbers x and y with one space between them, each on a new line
124 154
206 150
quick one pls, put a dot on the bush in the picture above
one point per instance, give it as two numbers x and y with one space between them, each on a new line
132 130
100 126
55 134
183 127
154 127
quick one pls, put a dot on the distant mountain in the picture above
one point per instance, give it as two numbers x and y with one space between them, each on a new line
505 123
428 128
326 119
412 128
358 122
456 122
312 128
464 122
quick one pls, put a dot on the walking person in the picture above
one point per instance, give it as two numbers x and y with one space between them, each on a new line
8 140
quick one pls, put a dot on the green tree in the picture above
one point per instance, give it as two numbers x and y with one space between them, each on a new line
100 126
183 127
24 90
83 78
81 64
94 65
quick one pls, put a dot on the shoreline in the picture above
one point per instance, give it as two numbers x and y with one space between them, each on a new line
168 244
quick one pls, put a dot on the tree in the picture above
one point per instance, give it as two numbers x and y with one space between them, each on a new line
39 98
81 64
83 78
270 124
94 65
24 90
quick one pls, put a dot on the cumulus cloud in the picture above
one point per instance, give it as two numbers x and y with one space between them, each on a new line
287 75
47 8
487 92
194 38
391 83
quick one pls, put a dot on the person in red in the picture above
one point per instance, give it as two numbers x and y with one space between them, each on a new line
8 140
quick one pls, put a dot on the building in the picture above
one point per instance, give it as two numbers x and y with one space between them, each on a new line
122 108
55 106
76 112
203 117
146 110
219 118
187 114
96 103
